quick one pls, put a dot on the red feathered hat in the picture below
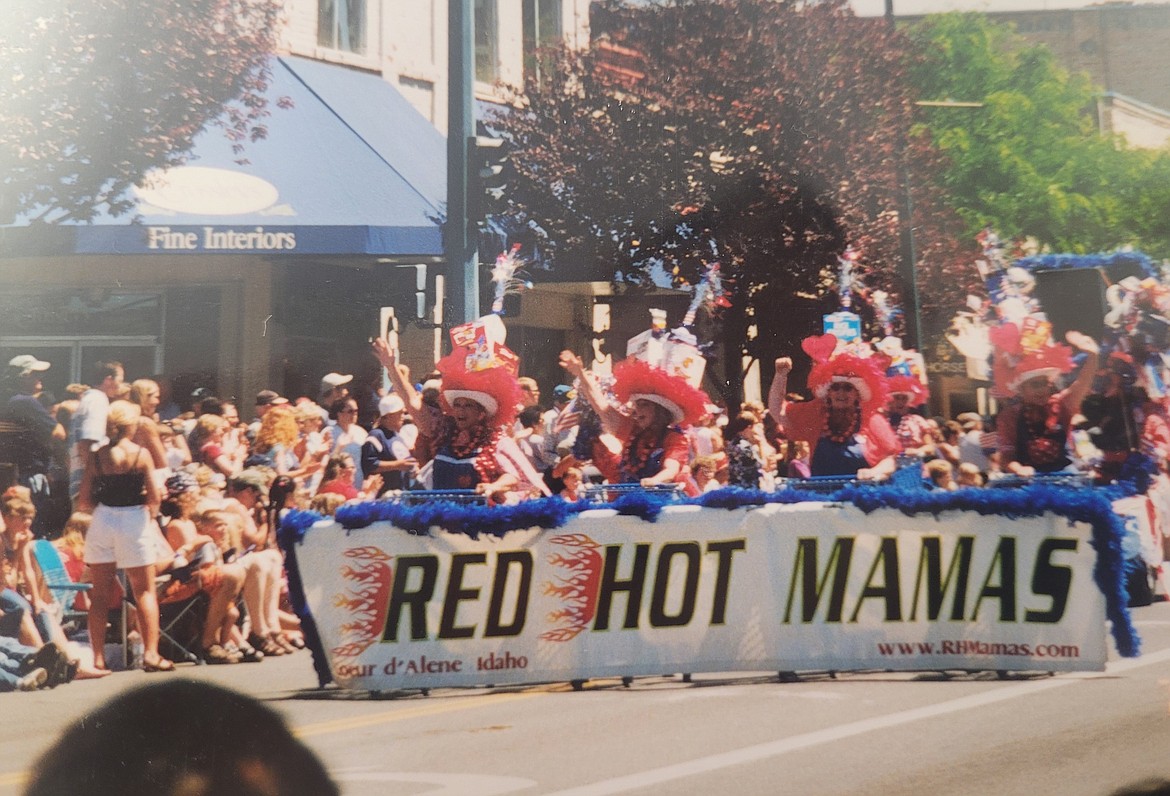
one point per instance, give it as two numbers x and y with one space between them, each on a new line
910 385
494 388
636 380
1015 364
1050 362
865 374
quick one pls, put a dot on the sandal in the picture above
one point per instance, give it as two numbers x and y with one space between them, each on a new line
297 642
248 653
161 665
281 641
217 655
270 647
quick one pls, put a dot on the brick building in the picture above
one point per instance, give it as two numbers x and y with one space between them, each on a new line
1124 48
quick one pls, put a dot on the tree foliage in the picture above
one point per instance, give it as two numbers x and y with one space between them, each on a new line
98 93
765 135
1031 161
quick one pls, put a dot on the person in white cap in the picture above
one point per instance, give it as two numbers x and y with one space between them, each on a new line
32 449
384 452
333 388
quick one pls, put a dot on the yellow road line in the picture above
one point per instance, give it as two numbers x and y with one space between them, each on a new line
423 711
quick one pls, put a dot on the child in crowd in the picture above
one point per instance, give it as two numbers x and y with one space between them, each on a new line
941 474
969 475
572 480
703 469
327 503
71 546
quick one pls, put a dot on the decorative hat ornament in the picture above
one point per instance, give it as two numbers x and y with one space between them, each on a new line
507 276
676 352
709 292
481 368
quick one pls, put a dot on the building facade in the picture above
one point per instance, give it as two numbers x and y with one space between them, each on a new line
238 274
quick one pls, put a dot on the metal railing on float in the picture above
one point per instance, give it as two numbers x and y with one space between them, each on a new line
607 493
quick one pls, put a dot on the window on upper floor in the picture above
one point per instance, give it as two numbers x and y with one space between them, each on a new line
542 28
343 25
487 41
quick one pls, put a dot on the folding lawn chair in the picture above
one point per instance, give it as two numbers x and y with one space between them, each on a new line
61 587
182 610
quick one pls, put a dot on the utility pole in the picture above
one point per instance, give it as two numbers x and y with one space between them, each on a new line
461 302
908 265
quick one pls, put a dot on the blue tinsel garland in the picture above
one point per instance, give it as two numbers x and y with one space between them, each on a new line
1047 262
1092 506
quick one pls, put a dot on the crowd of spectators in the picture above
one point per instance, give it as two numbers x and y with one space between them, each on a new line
125 481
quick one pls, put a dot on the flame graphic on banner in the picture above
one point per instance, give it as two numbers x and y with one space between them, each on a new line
367 600
577 590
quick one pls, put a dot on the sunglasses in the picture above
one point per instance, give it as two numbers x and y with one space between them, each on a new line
840 386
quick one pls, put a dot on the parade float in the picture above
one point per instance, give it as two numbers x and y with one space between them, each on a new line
442 594
435 589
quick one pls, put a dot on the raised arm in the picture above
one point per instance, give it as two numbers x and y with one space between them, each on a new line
611 417
402 386
778 392
1076 392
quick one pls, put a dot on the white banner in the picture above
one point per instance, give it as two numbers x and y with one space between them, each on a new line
775 588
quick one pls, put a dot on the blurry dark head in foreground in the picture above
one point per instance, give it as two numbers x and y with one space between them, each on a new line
180 738
1153 786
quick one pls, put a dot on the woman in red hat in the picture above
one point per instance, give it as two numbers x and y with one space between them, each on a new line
1033 427
473 450
843 427
655 450
912 430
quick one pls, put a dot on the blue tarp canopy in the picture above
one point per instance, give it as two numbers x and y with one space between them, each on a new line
350 169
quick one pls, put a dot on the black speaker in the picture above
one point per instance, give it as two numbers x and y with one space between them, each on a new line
1073 298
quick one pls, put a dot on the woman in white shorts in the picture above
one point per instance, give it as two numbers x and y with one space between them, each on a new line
123 534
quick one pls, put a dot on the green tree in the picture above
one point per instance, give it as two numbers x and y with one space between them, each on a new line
765 135
98 93
1031 160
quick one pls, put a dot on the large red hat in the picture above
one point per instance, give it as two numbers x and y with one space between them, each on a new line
494 388
1050 362
864 373
635 380
909 385
1016 363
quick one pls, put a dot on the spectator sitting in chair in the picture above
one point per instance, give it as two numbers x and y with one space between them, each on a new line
22 591
222 582
262 562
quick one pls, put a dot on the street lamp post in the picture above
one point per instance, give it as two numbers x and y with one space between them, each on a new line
461 302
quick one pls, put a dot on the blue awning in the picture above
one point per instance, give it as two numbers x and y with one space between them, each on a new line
350 169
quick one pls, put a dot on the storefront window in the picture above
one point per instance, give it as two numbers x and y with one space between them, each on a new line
89 311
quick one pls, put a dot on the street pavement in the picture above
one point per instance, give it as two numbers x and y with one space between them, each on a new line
863 732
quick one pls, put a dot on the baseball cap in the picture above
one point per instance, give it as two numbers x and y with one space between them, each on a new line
28 363
331 380
563 392
269 398
390 404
